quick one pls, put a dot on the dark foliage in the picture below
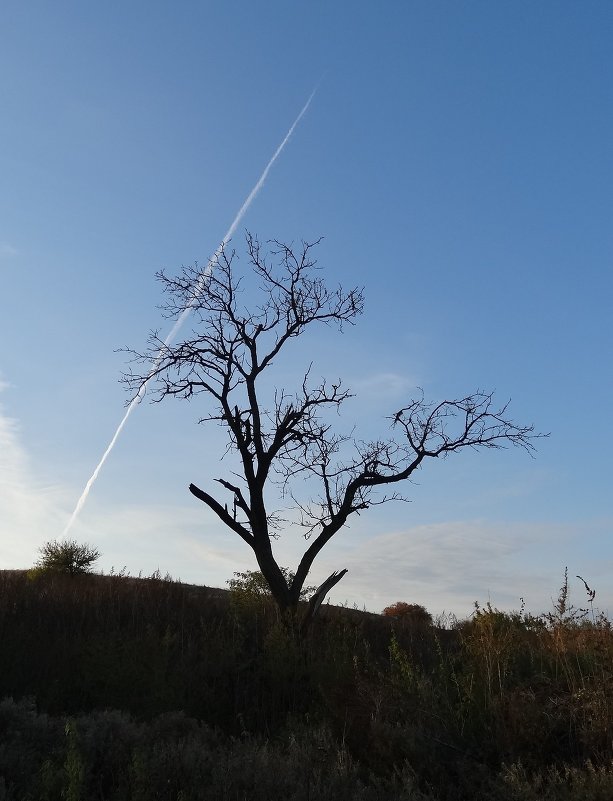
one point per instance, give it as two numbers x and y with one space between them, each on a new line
413 613
66 556
503 706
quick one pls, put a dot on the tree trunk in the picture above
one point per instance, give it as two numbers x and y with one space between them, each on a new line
318 597
275 578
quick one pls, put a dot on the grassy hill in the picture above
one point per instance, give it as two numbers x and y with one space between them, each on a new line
122 688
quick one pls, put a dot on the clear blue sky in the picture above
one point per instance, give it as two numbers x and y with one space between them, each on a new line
457 159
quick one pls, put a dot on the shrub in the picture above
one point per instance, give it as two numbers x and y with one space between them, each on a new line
250 587
66 556
415 613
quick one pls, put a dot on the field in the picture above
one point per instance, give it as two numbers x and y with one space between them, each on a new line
123 688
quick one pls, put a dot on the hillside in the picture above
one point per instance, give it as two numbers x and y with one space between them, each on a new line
122 686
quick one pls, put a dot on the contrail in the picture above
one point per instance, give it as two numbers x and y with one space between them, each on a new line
186 311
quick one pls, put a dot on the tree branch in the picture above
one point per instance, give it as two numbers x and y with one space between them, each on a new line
222 513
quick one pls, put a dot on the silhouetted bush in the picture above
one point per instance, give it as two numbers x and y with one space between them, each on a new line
66 556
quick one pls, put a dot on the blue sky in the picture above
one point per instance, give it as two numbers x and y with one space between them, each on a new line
457 159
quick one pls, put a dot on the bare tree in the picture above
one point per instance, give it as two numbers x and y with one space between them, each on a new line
289 435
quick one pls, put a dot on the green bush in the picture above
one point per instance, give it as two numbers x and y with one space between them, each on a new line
66 556
250 589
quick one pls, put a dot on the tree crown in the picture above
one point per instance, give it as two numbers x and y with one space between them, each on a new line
290 438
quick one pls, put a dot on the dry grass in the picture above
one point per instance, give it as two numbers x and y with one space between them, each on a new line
505 706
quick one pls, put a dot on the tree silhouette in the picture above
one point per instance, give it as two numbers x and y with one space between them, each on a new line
287 440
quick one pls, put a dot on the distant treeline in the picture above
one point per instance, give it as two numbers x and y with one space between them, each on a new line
131 688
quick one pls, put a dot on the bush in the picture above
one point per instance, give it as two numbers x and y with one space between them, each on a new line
66 556
251 587
415 613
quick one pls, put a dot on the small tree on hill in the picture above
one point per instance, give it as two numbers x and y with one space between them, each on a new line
67 557
286 438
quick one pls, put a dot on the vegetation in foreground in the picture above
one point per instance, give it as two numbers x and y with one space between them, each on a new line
121 688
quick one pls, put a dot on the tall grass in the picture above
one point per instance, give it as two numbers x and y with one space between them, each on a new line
503 705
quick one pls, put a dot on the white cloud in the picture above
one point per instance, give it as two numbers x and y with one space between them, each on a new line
29 509
447 566
184 540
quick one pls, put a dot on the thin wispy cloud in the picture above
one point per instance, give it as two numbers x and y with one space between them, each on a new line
29 508
181 539
450 565
8 251
143 538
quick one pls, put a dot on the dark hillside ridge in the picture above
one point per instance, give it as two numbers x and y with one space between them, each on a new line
150 645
